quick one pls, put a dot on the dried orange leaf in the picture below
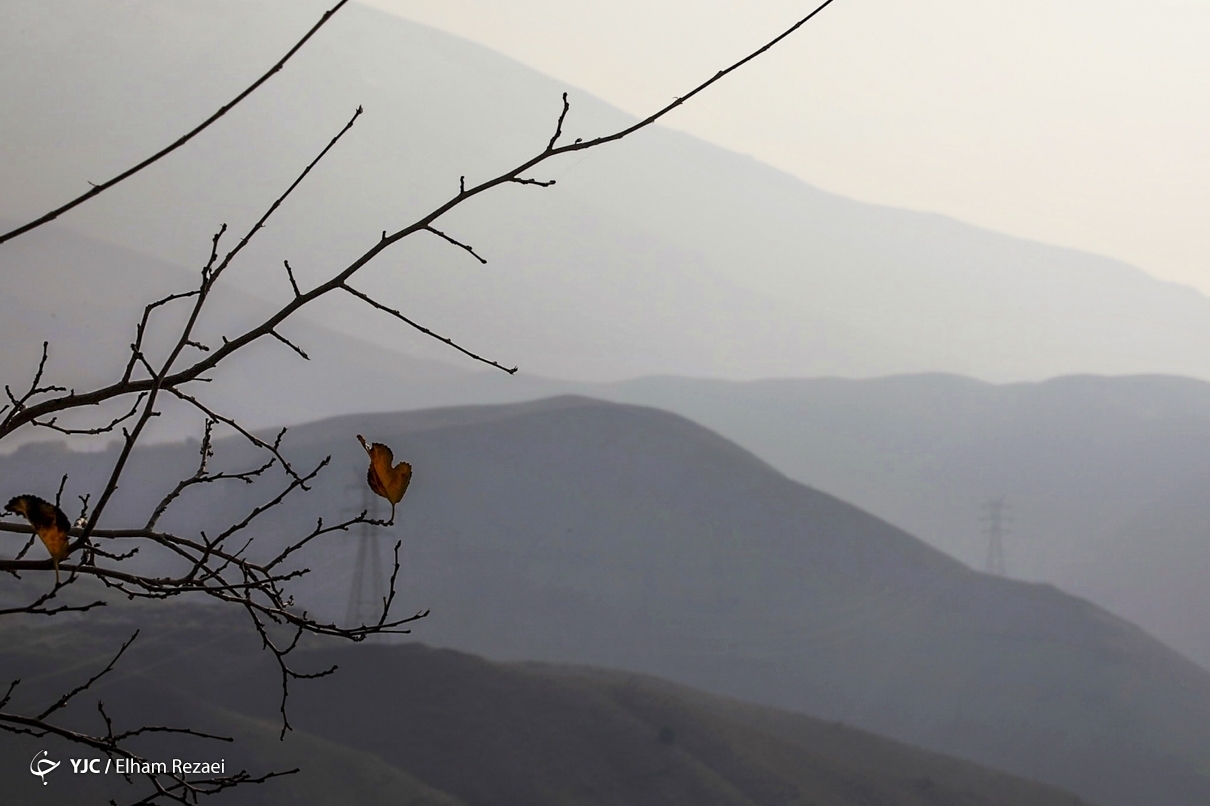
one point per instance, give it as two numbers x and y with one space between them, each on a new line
391 482
49 522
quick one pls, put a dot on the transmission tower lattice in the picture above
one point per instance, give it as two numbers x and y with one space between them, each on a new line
366 593
997 521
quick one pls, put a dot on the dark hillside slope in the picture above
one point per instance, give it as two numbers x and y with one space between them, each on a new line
169 677
576 530
534 734
410 725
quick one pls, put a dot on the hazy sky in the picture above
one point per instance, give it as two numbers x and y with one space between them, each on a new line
1084 123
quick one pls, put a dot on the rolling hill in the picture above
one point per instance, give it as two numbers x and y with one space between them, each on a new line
1104 474
1105 477
579 531
424 727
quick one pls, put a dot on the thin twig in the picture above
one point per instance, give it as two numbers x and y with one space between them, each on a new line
66 698
542 183
289 344
293 282
425 330
458 244
53 425
559 126
227 107
278 202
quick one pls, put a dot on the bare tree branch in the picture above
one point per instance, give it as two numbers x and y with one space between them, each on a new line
278 202
425 330
129 172
293 282
228 565
542 183
53 425
458 244
289 344
66 698
559 126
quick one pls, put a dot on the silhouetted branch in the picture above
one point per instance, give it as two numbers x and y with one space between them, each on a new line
225 567
425 330
32 539
278 202
542 183
458 244
559 126
227 107
66 698
203 477
293 282
59 492
52 423
38 610
273 448
136 349
16 405
289 344
210 274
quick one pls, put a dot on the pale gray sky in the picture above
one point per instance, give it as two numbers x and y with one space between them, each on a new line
1083 123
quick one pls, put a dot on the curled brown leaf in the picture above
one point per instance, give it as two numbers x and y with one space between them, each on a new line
50 525
385 479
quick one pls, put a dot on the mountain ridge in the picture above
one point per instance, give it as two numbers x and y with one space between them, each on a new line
622 536
661 254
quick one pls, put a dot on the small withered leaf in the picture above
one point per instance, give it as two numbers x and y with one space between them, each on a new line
49 522
387 480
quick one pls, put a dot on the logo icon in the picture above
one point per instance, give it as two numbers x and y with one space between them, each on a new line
43 766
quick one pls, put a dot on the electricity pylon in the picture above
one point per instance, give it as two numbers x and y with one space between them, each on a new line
366 593
997 521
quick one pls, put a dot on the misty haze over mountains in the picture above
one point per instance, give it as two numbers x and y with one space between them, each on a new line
662 272
658 255
1104 475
